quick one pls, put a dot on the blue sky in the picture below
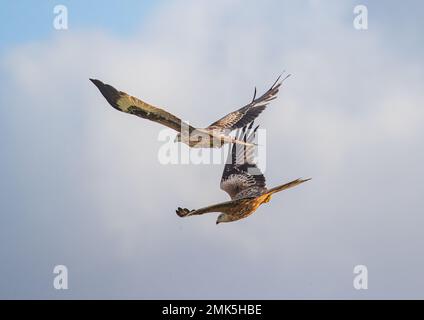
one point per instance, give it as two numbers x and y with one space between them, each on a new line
25 21
82 185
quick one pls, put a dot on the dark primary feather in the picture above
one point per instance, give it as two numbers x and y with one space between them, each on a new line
241 176
110 93
250 112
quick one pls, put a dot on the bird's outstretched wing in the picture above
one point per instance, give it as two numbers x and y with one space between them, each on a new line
224 207
241 177
129 104
245 115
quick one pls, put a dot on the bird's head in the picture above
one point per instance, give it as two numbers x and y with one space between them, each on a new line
223 217
177 137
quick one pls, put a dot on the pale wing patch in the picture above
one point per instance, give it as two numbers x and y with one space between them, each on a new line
236 183
126 101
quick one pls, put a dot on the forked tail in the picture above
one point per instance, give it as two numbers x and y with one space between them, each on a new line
288 185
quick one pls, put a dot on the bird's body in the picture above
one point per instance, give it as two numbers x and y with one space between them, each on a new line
244 207
244 183
203 138
206 138
213 136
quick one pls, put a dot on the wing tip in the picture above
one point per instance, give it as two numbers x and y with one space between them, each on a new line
276 85
96 82
110 93
182 212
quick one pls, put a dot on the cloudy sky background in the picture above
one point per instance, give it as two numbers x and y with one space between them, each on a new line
81 184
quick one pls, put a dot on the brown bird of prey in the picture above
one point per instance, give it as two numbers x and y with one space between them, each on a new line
215 135
243 181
